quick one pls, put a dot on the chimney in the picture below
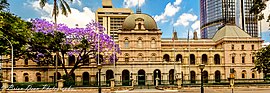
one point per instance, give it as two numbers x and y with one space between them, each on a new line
107 3
195 37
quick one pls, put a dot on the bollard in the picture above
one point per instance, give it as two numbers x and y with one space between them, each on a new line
60 85
5 86
179 83
157 82
112 81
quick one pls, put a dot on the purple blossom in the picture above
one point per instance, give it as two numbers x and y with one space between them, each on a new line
74 36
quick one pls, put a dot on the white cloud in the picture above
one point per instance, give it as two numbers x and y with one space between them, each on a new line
132 3
196 25
170 10
185 19
76 17
77 2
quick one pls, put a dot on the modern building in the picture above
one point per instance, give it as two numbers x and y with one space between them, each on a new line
111 18
215 14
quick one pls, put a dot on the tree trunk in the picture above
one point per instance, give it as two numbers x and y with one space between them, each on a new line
63 64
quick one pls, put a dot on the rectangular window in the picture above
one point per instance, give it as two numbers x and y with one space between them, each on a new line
242 47
126 59
253 59
233 59
243 59
232 47
252 47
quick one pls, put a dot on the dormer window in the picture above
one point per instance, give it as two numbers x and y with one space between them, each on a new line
139 24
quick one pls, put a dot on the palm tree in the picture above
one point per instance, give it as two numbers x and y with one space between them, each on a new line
63 6
65 9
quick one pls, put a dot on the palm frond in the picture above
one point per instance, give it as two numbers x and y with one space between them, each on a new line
42 3
63 8
67 6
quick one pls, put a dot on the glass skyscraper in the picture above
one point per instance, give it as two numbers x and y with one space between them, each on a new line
215 14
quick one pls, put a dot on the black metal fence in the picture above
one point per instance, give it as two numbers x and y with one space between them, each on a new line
150 83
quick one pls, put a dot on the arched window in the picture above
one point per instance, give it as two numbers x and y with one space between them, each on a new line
140 57
140 43
126 42
243 59
153 43
126 57
100 59
26 62
140 26
38 77
253 75
14 77
86 59
153 58
204 59
179 58
192 77
244 74
217 76
217 59
205 76
26 78
166 57
192 59
71 60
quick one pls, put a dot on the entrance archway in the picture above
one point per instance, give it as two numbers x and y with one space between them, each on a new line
157 73
192 77
171 76
85 78
141 77
217 76
125 78
109 75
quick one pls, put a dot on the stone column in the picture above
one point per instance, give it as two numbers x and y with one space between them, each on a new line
112 83
132 82
179 82
60 84
5 86
79 79
157 82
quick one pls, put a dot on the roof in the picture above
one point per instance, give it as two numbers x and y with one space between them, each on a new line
149 22
230 31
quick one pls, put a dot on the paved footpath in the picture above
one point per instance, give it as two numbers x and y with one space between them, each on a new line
185 90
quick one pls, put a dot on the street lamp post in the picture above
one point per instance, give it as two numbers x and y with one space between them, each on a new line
99 83
12 60
201 66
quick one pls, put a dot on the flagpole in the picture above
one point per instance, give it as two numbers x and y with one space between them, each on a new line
174 53
188 55
114 55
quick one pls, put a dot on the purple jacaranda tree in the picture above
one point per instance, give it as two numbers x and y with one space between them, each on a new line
83 43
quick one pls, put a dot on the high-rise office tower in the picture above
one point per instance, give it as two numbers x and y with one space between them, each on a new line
215 14
111 18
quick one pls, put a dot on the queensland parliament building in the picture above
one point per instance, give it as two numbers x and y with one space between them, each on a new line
146 56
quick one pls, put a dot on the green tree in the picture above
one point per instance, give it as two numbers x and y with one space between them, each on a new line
17 31
262 62
3 5
257 8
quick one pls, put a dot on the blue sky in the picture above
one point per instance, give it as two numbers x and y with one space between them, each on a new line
183 15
